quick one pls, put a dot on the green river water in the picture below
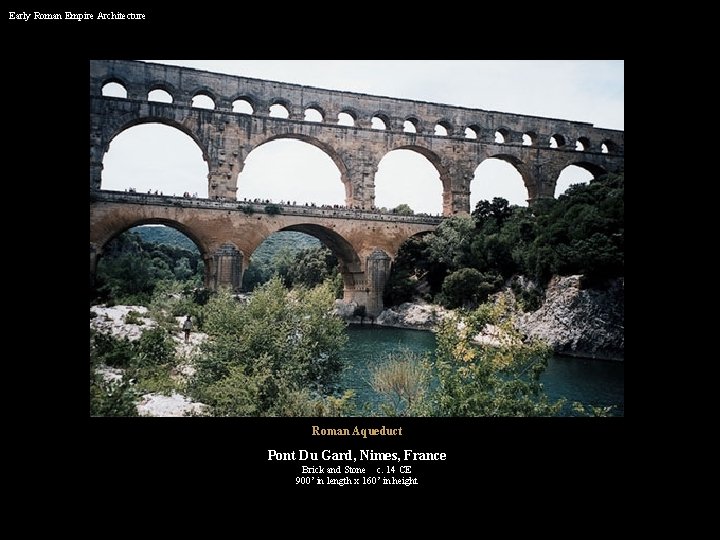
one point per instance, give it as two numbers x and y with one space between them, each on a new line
591 382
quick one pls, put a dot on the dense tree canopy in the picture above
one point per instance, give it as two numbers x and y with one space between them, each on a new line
581 232
132 267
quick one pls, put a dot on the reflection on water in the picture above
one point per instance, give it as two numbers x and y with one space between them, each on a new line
592 382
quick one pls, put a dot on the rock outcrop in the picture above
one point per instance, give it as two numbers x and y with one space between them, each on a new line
409 315
112 320
588 323
580 322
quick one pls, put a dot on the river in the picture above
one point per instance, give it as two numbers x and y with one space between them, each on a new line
595 382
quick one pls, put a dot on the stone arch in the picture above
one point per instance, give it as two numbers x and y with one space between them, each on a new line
612 148
504 134
352 111
415 122
384 118
592 168
116 80
207 92
114 230
341 248
278 101
584 142
432 157
204 91
165 86
519 166
105 232
319 108
435 160
474 128
326 148
446 125
245 97
351 268
125 123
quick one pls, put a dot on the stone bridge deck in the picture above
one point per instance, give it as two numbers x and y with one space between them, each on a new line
323 211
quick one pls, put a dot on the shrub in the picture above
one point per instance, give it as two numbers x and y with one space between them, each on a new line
467 288
112 351
155 380
247 209
116 398
133 317
272 209
477 380
154 348
405 379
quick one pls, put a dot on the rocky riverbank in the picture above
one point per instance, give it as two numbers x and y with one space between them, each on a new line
588 323
114 321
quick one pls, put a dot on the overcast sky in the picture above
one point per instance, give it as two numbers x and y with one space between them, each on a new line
158 157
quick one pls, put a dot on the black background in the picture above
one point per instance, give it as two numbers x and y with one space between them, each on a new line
47 88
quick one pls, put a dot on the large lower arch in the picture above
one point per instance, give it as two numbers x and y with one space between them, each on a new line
155 158
507 179
569 176
341 248
410 175
145 121
560 182
102 235
592 168
137 121
325 148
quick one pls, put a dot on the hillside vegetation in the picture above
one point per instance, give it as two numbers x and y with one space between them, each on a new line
467 258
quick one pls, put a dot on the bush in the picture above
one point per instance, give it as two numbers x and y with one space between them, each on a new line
247 209
154 348
201 295
467 288
405 379
501 380
263 355
155 379
272 209
111 398
133 317
112 351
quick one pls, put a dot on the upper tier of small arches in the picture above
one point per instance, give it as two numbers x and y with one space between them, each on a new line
460 126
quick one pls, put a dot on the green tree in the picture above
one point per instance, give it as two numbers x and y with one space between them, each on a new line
280 343
413 273
467 287
489 380
403 210
182 269
131 267
449 244
311 267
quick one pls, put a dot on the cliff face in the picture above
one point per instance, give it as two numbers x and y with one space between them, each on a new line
587 322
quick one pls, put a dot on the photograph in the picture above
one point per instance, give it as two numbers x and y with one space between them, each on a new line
361 244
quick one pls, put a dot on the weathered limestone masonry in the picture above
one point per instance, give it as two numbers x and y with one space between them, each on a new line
226 138
363 242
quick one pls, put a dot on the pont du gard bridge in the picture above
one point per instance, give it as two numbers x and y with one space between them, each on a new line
364 240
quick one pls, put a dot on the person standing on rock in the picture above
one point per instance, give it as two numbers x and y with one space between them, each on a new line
187 326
